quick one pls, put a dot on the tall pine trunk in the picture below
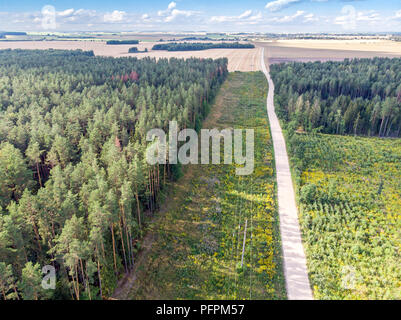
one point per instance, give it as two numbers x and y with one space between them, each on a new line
37 169
122 243
98 272
114 247
138 210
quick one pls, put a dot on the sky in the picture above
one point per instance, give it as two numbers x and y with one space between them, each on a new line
267 16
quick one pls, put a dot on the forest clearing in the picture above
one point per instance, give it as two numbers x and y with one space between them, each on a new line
200 257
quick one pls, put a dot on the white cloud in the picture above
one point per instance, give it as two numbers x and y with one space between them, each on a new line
82 12
172 5
256 17
65 13
64 18
278 5
291 18
115 16
370 16
310 18
247 17
71 12
352 18
246 14
176 13
340 20
397 15
171 13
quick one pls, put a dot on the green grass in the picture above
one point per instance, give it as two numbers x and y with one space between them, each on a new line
196 246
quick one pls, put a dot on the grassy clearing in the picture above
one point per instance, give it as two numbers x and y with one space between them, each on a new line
196 246
350 200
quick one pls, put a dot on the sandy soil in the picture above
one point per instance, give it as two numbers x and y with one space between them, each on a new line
238 59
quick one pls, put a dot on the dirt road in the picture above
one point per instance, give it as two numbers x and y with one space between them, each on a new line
295 270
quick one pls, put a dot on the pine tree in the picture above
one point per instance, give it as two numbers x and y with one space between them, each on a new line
14 173
8 288
31 283
34 155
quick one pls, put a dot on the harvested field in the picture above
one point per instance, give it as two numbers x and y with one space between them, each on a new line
238 59
325 50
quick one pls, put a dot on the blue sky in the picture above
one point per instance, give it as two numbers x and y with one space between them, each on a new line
205 15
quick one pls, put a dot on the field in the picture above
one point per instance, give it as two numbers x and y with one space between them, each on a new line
193 249
350 214
238 60
325 50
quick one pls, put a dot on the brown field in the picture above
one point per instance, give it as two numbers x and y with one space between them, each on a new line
324 50
238 59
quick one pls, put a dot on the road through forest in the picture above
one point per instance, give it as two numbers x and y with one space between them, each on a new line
294 260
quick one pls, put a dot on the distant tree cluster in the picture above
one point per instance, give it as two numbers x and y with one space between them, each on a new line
196 39
360 96
188 46
75 188
136 50
205 39
120 42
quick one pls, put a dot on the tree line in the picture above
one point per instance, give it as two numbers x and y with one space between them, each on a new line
75 188
359 96
119 42
206 39
197 46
